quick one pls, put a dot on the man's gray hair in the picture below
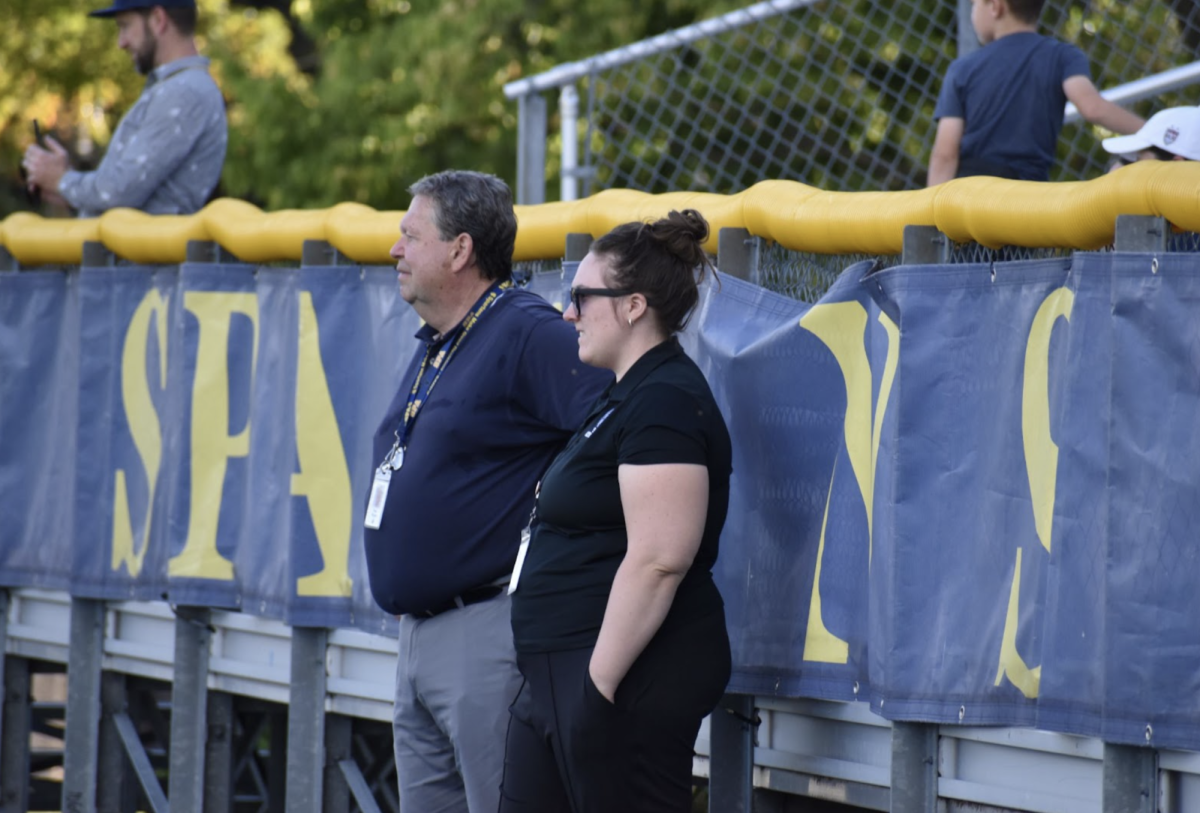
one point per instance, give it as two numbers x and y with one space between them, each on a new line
477 204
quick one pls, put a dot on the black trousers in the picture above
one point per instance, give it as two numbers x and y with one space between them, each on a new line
571 751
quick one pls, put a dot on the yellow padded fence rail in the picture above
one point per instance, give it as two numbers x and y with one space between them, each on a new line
990 211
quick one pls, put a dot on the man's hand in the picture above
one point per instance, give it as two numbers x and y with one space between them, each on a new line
45 168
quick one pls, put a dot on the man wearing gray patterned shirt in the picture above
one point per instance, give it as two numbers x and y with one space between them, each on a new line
167 153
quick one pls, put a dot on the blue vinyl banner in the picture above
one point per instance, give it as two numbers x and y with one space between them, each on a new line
965 494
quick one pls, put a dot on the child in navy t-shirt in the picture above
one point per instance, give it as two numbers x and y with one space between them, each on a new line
1001 108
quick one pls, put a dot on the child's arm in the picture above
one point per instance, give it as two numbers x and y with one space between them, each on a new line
943 163
1099 110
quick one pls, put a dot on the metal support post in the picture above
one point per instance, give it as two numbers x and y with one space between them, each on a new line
568 112
924 245
1141 233
189 700
576 249
142 768
731 733
531 149
3 641
737 254
306 720
81 739
914 767
358 786
277 723
207 251
967 40
914 774
114 793
339 731
1130 783
578 245
322 253
218 756
97 255
14 737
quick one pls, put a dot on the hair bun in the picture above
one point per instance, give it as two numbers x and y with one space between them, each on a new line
683 235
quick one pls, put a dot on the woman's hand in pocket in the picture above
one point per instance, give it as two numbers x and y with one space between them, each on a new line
608 692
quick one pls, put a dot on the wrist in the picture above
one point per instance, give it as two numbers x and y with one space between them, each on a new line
603 683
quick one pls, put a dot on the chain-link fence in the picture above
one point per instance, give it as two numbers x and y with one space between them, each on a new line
807 276
838 94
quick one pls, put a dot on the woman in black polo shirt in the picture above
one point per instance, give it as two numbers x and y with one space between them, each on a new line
619 629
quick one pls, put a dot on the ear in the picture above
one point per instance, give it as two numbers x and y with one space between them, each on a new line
158 20
636 306
462 252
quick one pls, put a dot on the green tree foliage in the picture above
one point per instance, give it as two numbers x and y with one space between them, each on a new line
403 89
329 100
353 100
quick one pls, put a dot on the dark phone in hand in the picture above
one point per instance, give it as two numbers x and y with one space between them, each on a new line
34 196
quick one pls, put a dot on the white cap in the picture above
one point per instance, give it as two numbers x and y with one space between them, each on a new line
1176 130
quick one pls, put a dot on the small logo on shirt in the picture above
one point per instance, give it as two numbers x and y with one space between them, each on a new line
603 418
1170 135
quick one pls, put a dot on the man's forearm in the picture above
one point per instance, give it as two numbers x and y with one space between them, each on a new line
1116 118
941 169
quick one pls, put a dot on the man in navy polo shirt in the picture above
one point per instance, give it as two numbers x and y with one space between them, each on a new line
488 400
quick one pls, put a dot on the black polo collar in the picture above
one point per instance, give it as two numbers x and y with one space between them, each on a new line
651 360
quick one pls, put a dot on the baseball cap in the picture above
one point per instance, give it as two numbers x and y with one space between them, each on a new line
1176 130
134 5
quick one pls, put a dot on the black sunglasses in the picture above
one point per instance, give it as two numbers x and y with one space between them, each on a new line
580 294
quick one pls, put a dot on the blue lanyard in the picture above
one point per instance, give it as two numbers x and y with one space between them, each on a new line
438 362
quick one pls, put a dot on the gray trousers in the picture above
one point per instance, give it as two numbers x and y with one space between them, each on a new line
455 679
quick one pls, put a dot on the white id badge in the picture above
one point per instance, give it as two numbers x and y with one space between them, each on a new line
379 490
521 551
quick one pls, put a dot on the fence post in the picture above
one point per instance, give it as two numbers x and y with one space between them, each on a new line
189 702
1130 773
321 253
577 247
924 245
306 735
732 725
1130 779
3 644
737 254
967 41
568 110
914 767
1145 233
306 721
531 149
14 737
218 757
731 732
339 742
207 251
575 250
114 793
15 723
914 774
96 255
81 738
